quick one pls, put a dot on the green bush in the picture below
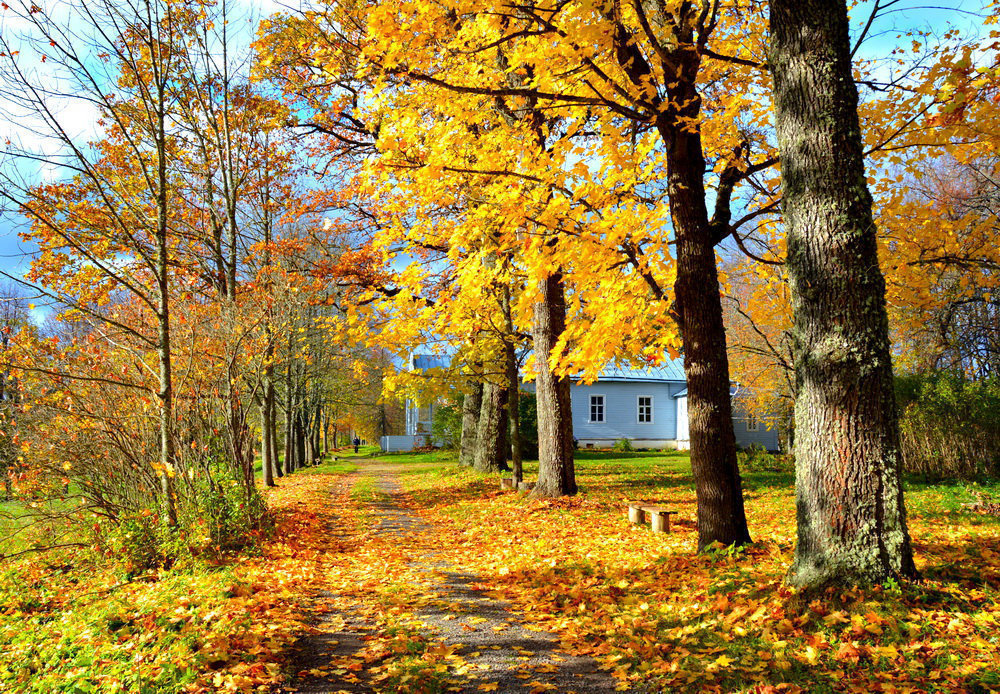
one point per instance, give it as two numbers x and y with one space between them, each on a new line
447 425
232 516
225 519
137 541
755 458
949 425
528 407
623 446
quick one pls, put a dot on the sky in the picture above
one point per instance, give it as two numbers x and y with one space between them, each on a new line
883 36
80 118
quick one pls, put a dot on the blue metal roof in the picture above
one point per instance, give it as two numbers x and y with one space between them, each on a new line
420 362
670 370
734 390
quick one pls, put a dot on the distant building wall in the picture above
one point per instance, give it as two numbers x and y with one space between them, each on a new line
399 444
622 418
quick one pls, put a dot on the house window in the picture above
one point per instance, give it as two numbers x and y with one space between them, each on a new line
597 408
753 424
645 409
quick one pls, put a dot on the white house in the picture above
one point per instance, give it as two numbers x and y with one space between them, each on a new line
648 407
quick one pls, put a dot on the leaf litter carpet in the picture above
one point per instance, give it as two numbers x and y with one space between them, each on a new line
394 616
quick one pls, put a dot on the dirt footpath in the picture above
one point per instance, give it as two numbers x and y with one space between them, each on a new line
497 650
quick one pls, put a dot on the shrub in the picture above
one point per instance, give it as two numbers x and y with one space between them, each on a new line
528 407
232 516
755 458
447 425
623 446
949 425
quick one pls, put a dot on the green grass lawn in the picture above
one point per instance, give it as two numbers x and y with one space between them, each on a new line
643 473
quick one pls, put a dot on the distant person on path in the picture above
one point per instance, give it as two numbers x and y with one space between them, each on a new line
357 442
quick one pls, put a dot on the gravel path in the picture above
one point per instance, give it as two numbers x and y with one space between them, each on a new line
500 650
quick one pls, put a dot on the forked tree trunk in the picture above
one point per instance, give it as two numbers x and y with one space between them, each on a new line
491 438
471 406
556 469
719 488
851 516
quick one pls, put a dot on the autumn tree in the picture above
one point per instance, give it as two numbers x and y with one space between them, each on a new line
120 199
851 516
13 318
145 266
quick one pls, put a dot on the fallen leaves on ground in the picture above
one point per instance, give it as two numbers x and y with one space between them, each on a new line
198 627
650 610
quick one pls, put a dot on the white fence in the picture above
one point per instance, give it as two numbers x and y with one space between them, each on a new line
398 444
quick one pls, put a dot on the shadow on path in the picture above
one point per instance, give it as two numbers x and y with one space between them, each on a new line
498 649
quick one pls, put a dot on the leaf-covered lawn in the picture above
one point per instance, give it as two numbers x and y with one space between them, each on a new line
652 610
649 609
74 623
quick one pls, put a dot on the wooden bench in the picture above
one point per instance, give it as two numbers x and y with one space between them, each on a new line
658 516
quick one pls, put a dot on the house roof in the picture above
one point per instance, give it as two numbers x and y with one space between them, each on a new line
670 370
419 362
734 390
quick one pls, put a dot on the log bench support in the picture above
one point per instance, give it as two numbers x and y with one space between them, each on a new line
658 516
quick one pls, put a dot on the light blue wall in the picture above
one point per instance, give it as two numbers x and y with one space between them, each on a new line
621 411
768 438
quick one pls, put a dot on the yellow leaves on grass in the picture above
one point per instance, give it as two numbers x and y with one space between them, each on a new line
651 612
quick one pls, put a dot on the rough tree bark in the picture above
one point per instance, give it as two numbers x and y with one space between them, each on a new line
851 516
513 411
556 470
166 389
266 465
471 406
491 438
513 390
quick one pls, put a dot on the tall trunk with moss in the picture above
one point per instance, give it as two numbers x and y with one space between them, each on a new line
491 436
556 468
472 403
851 518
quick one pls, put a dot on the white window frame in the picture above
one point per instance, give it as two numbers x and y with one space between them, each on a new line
604 408
638 409
752 422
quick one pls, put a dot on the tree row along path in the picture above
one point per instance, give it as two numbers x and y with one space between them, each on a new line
393 615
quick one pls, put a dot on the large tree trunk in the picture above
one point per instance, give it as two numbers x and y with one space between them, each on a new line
326 433
270 423
491 437
289 410
513 412
300 441
556 470
471 406
851 517
719 489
